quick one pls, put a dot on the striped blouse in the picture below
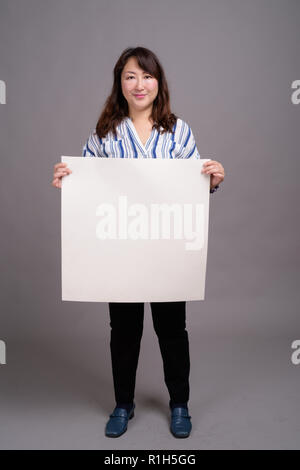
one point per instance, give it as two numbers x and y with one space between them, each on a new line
127 143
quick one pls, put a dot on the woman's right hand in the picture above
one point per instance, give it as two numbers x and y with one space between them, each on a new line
60 170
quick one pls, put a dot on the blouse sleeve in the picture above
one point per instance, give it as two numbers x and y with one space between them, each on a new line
191 151
190 147
91 148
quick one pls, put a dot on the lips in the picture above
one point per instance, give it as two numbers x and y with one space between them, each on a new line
139 95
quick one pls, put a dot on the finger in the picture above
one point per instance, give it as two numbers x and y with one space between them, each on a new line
209 170
214 173
59 165
213 165
59 174
212 162
65 171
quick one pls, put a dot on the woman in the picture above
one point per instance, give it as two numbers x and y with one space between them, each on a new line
137 122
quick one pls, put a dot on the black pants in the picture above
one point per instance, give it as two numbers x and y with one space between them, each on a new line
169 321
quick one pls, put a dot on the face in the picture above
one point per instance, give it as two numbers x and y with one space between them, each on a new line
136 81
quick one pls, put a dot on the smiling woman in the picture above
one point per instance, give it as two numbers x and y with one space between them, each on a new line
137 122
139 91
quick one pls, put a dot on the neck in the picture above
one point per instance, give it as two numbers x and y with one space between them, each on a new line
140 116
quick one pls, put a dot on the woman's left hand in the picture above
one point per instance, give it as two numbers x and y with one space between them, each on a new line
216 172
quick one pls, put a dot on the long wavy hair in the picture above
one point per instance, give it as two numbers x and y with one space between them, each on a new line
116 106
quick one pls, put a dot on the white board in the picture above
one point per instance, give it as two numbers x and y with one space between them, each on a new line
134 230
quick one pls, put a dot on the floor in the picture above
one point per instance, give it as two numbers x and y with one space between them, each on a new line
244 395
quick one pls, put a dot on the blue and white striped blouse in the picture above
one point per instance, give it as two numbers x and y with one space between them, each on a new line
127 143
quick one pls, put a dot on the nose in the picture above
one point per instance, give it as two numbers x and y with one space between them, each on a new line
140 85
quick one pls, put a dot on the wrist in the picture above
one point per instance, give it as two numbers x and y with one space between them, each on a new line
213 188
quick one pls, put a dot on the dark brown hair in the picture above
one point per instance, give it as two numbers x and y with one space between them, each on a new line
116 106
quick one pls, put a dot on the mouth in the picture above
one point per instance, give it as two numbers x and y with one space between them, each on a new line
139 96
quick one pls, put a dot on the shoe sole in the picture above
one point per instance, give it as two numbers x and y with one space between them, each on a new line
118 435
178 436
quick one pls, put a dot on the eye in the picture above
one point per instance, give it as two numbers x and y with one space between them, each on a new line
131 76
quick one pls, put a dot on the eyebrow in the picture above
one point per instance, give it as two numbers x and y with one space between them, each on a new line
130 71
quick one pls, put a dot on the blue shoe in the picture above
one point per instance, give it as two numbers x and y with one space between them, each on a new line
180 422
117 424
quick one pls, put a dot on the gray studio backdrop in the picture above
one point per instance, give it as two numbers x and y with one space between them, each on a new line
230 65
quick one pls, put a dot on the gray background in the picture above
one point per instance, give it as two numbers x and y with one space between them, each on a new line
229 65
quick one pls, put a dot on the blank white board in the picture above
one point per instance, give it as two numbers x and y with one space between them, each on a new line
134 230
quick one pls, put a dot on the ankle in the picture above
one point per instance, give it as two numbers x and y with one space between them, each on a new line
127 406
173 404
